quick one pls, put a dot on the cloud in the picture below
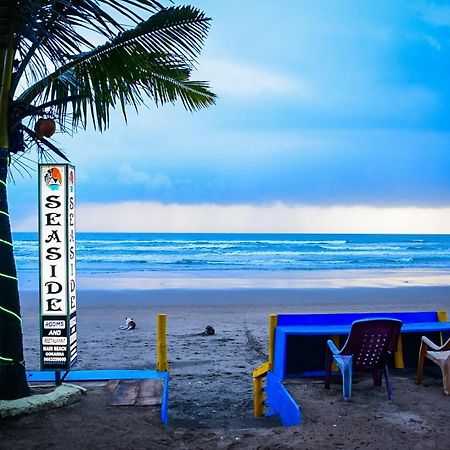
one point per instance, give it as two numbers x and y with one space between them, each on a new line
232 79
130 176
437 15
433 42
273 218
311 167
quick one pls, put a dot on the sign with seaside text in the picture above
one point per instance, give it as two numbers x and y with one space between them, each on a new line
57 281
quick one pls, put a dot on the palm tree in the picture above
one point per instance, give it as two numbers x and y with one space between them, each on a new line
50 68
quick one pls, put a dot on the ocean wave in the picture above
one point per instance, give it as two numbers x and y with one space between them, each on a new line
364 247
123 253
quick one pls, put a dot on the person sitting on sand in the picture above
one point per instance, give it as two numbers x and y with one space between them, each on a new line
130 324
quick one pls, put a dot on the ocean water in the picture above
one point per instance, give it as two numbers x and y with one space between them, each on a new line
249 255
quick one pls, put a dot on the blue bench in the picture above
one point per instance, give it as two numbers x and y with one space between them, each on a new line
297 345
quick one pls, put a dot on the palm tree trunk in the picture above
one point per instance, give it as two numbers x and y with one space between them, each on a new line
13 382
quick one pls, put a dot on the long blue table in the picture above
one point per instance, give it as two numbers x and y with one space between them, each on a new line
283 332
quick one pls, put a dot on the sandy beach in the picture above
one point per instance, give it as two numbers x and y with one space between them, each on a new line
211 384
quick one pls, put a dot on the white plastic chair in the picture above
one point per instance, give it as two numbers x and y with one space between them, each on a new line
440 356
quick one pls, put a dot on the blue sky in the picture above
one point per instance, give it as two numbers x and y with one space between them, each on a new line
337 112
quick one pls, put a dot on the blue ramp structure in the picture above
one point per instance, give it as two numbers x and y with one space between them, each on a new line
116 374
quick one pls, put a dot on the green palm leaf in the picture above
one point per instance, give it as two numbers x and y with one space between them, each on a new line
50 30
155 59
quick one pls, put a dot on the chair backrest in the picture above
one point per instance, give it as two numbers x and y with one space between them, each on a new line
370 341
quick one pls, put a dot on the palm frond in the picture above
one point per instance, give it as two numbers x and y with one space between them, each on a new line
155 59
45 142
50 30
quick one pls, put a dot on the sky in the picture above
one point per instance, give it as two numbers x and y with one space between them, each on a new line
332 116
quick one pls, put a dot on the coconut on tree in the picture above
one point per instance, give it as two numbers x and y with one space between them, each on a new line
52 76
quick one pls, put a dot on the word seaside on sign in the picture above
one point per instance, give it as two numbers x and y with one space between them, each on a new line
57 286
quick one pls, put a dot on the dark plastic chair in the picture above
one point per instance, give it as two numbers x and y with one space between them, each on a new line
367 349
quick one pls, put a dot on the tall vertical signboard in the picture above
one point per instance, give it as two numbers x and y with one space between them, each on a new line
58 322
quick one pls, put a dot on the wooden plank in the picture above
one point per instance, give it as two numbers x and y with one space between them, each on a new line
273 320
126 393
150 392
258 397
111 385
161 350
261 370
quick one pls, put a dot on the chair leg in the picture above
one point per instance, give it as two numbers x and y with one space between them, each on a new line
347 374
388 383
446 375
421 362
376 375
328 362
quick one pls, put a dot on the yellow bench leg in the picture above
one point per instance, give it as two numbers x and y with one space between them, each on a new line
273 319
399 363
442 317
258 397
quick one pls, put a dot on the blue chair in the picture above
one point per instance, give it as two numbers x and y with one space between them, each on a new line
367 349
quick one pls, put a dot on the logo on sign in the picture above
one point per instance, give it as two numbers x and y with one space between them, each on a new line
53 178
